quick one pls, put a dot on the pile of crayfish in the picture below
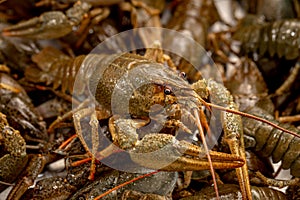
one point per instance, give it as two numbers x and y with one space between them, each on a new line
147 123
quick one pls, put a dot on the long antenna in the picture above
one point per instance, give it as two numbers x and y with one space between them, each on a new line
251 116
196 114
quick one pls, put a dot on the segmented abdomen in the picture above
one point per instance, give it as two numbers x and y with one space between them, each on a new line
59 70
281 38
271 141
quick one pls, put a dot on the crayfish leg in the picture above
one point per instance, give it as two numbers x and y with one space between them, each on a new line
234 138
277 183
95 115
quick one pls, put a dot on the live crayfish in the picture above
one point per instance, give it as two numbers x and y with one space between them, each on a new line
273 142
142 111
53 24
265 139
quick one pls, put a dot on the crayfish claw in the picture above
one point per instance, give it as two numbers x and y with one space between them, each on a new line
48 26
165 152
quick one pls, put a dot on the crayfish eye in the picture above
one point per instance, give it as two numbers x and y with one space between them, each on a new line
182 74
167 91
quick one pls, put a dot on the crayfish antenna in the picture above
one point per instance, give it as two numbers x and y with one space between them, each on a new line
252 117
201 132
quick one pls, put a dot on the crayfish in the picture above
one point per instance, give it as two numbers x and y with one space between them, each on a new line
151 89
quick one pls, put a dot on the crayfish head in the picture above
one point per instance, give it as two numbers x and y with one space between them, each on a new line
146 99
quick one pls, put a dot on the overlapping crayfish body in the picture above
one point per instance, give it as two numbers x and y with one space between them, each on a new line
273 142
280 38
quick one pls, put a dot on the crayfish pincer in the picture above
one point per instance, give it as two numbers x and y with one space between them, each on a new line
13 153
49 25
